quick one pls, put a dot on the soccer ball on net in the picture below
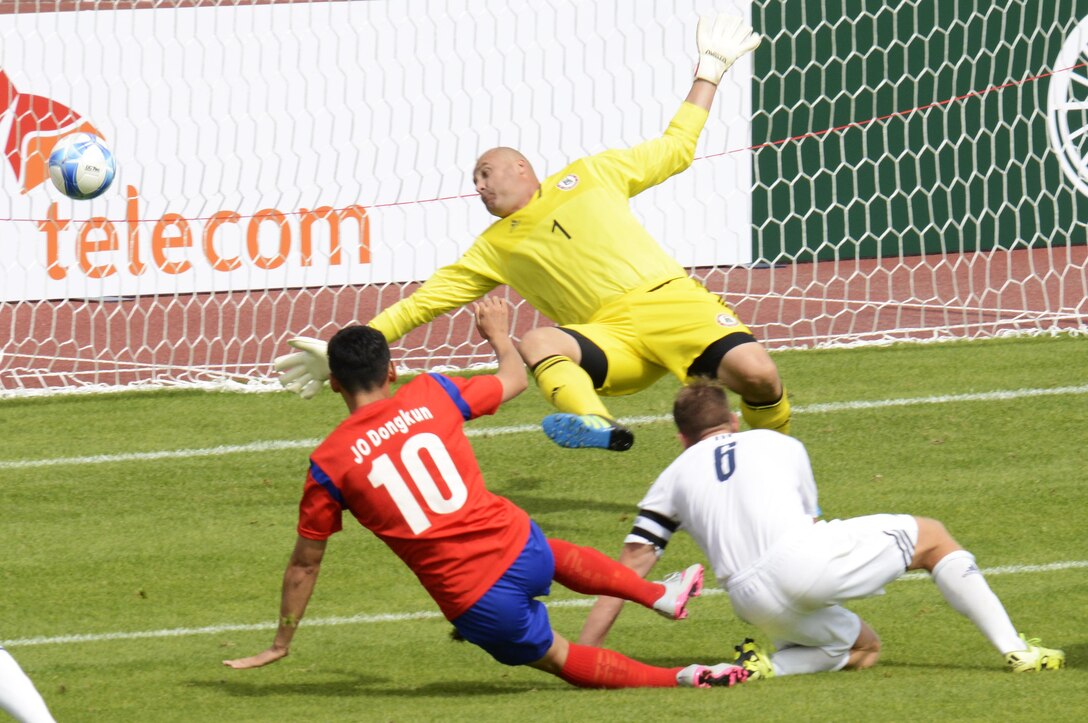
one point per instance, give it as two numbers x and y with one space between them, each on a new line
81 166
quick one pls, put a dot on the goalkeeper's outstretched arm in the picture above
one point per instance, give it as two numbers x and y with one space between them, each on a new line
305 371
448 288
721 40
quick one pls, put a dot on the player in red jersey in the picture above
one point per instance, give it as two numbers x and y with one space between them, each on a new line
401 464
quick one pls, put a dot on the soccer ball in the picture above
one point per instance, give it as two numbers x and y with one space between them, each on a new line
81 166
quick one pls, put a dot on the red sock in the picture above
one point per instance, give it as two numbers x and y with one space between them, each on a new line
589 667
590 572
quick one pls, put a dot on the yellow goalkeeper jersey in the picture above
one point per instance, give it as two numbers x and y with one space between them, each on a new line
574 247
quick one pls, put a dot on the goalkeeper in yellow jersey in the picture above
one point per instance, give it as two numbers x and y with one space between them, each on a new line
626 312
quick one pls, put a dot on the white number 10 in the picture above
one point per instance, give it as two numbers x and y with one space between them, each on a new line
383 473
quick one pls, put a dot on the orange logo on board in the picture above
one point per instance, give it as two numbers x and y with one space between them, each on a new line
104 247
38 123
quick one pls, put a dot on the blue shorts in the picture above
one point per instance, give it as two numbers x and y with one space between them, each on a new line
507 621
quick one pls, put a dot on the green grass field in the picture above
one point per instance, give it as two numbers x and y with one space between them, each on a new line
146 535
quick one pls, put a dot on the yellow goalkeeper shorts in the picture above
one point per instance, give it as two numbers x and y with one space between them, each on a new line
659 329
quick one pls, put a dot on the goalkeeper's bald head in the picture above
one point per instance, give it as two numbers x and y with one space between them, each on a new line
505 180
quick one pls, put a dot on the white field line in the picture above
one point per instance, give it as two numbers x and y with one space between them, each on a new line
272 445
407 617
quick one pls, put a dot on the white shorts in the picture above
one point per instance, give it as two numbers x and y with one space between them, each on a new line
794 592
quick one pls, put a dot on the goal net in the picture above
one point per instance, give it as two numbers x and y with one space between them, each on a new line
903 171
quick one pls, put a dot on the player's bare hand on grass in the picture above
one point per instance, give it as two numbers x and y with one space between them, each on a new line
304 371
492 317
256 661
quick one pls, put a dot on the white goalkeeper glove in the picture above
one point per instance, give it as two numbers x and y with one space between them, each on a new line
721 40
304 371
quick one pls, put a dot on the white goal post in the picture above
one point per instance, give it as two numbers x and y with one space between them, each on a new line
912 171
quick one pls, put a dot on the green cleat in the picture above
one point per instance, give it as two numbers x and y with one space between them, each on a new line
1035 658
752 658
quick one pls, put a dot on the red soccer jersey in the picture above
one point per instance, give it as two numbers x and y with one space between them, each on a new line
405 469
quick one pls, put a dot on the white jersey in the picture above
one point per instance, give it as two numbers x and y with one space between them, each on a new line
737 495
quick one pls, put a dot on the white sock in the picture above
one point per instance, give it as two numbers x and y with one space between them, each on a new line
963 586
798 659
18 696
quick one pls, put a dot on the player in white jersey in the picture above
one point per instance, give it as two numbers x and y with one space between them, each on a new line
749 500
18 696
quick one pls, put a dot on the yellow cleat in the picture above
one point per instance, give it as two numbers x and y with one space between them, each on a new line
752 658
1035 658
